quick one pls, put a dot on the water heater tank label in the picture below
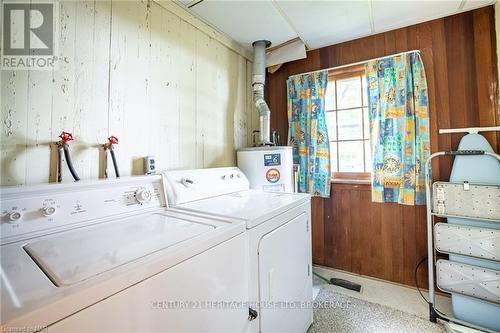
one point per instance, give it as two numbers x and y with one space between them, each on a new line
272 159
273 175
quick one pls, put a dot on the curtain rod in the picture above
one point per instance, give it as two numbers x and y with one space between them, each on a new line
354 64
469 130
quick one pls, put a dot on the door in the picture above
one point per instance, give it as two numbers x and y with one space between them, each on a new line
285 282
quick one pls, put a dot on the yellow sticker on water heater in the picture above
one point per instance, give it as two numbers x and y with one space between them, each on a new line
273 175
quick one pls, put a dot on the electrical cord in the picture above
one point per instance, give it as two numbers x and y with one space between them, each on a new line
416 280
322 277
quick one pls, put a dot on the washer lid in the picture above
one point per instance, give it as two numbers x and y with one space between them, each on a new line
82 253
252 206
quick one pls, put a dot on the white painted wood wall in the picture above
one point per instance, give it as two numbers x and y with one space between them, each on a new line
135 70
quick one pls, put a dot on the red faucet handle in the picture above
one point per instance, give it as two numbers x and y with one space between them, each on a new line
66 137
113 140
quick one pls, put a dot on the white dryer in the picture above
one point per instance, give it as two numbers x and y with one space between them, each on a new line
107 256
279 240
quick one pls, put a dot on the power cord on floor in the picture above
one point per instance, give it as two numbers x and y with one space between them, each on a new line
416 279
322 277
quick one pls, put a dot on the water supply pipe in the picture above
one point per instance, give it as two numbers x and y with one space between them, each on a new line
63 148
112 140
258 83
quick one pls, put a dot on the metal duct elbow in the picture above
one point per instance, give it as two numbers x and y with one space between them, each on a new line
258 83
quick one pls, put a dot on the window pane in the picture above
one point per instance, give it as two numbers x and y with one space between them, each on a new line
331 123
349 93
365 91
330 96
368 157
351 156
366 123
350 124
333 157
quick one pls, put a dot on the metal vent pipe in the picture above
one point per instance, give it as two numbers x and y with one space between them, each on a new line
258 83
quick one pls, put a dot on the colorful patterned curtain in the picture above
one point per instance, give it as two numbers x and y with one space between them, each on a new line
399 128
308 133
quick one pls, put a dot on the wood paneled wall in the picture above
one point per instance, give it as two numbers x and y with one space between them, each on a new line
145 71
459 54
352 233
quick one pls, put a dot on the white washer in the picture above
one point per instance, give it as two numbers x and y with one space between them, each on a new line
107 256
279 236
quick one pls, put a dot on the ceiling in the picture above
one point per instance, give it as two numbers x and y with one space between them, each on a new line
318 23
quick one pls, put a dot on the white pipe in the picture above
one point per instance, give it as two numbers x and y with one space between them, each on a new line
258 83
469 130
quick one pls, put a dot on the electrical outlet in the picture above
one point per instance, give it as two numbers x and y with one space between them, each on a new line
149 165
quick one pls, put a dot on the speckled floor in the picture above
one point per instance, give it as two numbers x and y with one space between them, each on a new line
340 313
381 292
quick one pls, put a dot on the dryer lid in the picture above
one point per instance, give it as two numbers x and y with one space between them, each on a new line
80 254
252 206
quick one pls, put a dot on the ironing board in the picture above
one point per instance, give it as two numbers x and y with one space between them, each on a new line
470 202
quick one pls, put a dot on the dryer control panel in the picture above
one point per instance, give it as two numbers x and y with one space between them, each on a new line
190 185
28 210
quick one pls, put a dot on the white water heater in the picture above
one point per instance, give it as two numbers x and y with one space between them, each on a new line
268 168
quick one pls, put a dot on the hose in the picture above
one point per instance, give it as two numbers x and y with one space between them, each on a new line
115 164
69 162
59 163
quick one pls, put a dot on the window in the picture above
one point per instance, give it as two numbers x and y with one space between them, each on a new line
346 104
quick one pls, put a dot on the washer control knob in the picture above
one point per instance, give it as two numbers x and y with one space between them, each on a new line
15 216
48 211
143 196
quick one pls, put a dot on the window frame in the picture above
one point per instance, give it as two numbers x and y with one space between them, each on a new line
340 74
